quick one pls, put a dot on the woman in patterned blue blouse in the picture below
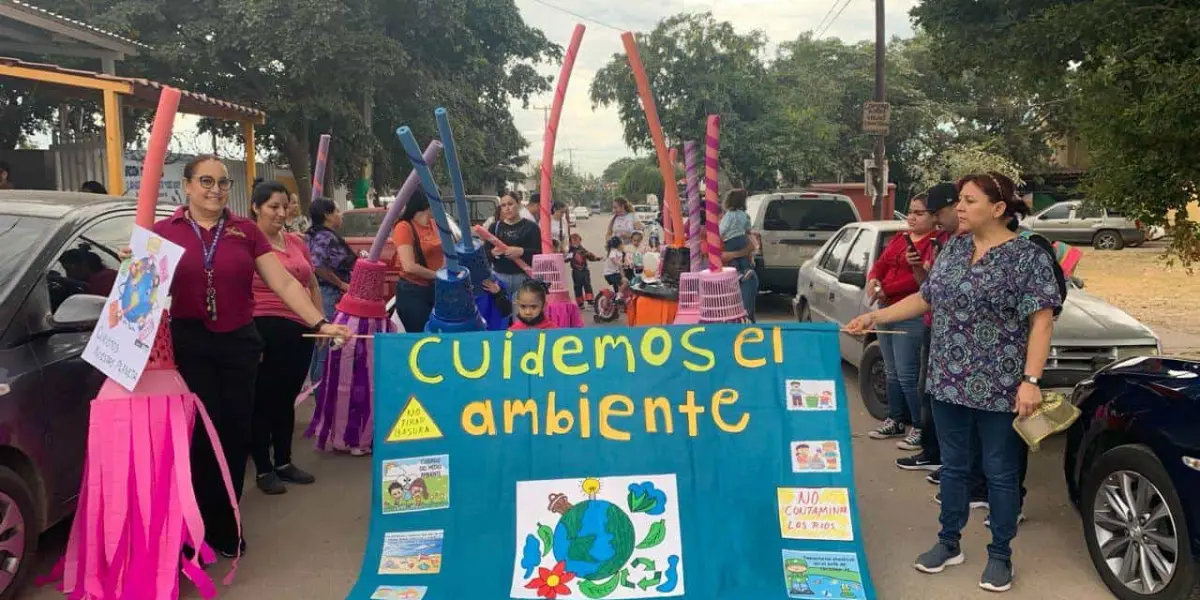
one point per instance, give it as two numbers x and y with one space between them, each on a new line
992 294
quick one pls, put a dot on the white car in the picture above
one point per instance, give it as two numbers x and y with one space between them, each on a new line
581 212
1089 334
644 213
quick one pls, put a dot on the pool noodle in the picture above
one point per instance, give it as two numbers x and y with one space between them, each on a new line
712 223
435 198
397 207
691 157
156 154
318 182
564 77
456 179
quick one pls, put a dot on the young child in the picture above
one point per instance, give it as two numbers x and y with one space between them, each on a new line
581 275
614 265
655 246
636 253
735 229
531 306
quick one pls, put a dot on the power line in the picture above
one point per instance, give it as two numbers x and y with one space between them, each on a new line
579 16
835 18
827 13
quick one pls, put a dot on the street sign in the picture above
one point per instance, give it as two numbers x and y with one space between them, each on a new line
876 117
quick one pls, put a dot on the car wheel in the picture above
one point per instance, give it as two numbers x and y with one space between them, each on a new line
803 314
1108 240
18 535
872 382
1135 528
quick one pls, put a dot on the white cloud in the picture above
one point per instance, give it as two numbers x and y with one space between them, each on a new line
597 135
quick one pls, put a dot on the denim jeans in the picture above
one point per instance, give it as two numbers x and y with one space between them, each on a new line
413 305
749 288
929 440
512 281
960 429
330 296
902 363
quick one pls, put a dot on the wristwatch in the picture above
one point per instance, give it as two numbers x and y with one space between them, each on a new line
317 328
1030 379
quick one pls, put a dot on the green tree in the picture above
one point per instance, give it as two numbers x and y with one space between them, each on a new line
640 180
616 169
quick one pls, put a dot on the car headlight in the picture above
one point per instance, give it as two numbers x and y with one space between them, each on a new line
1124 352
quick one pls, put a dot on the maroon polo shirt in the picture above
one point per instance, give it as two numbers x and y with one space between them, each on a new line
233 270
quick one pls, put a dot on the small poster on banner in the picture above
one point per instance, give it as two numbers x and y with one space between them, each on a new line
815 514
399 592
411 553
807 394
816 457
818 575
121 342
416 484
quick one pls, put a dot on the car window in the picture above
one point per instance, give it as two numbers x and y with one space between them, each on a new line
796 214
364 223
836 255
1089 211
753 203
859 257
1061 211
89 264
20 237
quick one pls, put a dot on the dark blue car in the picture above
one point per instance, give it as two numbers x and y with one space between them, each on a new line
1133 469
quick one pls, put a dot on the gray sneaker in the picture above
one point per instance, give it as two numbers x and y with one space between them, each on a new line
938 558
888 429
997 575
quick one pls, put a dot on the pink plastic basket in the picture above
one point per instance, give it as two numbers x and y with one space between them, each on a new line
552 268
688 312
720 297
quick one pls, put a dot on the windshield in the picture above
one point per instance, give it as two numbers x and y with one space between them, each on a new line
20 237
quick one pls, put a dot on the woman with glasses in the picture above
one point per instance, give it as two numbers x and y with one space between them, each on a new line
217 347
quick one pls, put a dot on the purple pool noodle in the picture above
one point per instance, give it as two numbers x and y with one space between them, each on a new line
691 154
397 207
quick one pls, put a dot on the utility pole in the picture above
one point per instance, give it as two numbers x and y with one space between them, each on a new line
545 115
881 187
570 156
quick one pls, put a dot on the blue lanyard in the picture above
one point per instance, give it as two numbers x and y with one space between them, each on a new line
210 254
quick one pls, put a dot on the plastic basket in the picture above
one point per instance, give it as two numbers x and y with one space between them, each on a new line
552 269
721 297
688 312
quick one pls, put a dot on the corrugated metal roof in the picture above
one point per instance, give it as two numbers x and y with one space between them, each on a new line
75 23
146 93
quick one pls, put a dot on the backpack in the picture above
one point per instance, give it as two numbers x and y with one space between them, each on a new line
1059 277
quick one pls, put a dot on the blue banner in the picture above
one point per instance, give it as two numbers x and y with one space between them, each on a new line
698 462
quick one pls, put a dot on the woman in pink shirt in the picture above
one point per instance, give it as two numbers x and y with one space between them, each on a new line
286 352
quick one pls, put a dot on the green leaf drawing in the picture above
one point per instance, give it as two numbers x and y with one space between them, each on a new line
547 537
625 579
599 590
654 537
640 503
643 562
648 582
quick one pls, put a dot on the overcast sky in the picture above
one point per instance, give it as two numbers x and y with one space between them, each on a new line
596 135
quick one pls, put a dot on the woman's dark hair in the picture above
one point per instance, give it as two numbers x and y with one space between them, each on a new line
263 191
93 187
320 209
557 206
533 286
417 203
189 169
736 199
997 187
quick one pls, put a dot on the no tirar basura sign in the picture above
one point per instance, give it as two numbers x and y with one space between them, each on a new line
702 462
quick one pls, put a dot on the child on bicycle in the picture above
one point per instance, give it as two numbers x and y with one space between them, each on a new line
614 265
581 274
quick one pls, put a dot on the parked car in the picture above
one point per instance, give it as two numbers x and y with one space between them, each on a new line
581 212
1132 465
359 227
1078 222
1089 334
46 319
789 228
645 213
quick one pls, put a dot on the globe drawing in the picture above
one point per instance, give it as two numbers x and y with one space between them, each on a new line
137 295
595 538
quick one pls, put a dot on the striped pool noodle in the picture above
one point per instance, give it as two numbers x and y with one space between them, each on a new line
560 93
456 179
712 223
156 153
670 238
318 182
691 157
435 198
397 207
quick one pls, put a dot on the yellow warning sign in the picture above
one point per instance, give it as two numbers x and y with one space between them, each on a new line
414 424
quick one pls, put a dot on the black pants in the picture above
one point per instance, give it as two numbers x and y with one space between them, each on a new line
220 368
615 281
414 304
285 359
583 284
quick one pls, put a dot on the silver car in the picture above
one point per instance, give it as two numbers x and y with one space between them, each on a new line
1089 334
1080 223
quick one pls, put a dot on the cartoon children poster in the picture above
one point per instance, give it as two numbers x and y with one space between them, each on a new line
810 394
416 484
823 456
812 575
411 553
399 592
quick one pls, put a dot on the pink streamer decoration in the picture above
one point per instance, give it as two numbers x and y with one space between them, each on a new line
564 76
712 221
691 157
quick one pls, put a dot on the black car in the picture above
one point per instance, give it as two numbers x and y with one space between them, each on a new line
59 259
1133 469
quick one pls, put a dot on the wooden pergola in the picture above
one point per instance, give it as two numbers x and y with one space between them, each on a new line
28 30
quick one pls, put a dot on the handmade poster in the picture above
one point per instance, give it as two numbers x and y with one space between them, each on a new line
411 553
807 394
123 337
399 592
815 514
811 575
413 484
816 457
609 463
612 537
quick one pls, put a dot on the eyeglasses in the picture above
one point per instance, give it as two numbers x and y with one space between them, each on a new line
207 182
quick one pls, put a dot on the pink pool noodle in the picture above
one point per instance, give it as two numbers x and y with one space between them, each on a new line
712 223
156 155
487 236
318 182
560 93
397 207
691 157
670 191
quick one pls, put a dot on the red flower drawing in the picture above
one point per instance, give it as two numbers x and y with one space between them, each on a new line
551 583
